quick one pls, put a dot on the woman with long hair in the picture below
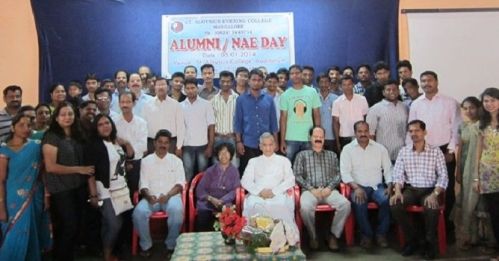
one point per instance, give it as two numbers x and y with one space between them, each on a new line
468 213
24 226
42 121
107 153
66 178
487 180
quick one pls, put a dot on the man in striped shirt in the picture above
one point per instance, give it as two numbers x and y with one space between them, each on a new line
420 176
317 173
12 97
224 108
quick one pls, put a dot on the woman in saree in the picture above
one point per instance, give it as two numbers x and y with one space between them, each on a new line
23 219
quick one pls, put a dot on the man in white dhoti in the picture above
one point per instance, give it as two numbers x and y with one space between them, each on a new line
267 179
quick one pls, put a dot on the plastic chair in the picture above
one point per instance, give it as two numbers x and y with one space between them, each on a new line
159 215
351 232
349 224
441 233
192 201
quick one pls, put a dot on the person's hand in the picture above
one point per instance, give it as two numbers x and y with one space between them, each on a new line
476 186
128 166
431 201
359 195
86 170
163 199
325 192
121 141
240 148
459 176
388 190
216 202
283 147
94 202
266 193
396 197
208 151
152 199
316 192
3 214
178 152
449 157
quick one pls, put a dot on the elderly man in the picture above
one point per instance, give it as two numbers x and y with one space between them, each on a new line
420 176
162 178
364 163
267 178
317 172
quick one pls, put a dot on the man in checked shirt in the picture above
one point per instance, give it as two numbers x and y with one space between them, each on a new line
420 176
317 173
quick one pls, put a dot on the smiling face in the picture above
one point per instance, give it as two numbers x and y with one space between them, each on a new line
13 99
317 139
161 145
429 84
126 103
490 104
58 95
88 112
66 117
307 76
104 127
391 92
362 133
135 83
224 156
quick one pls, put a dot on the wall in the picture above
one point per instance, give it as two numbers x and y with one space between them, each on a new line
18 49
431 4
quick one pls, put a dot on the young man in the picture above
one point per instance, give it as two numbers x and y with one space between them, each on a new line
283 75
199 130
208 90
364 79
404 70
272 82
335 76
374 93
327 101
411 87
242 76
308 76
91 84
300 111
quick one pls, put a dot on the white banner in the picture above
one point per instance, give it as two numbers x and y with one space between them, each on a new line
227 41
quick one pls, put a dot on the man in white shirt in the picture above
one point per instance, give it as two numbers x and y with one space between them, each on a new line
133 129
163 112
224 108
162 179
267 179
442 115
363 165
135 85
199 130
347 110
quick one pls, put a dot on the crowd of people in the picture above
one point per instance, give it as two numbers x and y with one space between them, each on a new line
77 161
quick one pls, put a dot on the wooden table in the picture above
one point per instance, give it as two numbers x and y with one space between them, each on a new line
210 246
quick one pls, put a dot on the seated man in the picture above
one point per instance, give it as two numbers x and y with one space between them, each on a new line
267 178
317 173
363 164
421 173
162 179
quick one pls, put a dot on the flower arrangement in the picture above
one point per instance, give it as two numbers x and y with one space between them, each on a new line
229 223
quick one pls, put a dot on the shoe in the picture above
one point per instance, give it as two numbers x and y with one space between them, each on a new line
332 244
314 244
429 254
146 253
409 250
381 241
366 243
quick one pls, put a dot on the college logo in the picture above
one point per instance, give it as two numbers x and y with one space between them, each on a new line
177 27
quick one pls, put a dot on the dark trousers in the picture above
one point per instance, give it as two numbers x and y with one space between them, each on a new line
204 220
331 146
66 209
249 153
450 196
492 200
133 175
344 141
416 196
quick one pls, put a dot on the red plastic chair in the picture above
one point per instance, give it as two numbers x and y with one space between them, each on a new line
159 215
192 200
349 224
370 206
441 233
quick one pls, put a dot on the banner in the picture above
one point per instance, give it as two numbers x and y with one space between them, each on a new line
227 41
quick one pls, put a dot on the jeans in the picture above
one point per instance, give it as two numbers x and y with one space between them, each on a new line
144 210
223 139
361 211
191 156
293 147
111 224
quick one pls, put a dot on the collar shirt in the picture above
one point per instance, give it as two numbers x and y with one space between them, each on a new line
166 114
207 94
272 172
141 101
317 169
388 122
198 116
326 119
442 117
349 112
366 167
159 176
134 132
224 112
424 169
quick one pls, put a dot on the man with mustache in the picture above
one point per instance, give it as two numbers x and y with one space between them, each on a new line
88 109
162 179
135 85
12 97
120 80
317 172
420 176
364 164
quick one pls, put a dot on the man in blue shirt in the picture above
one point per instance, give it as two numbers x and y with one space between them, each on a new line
327 99
255 115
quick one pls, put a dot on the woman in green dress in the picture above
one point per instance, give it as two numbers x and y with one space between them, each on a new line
42 120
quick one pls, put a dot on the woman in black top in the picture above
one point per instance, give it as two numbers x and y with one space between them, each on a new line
66 178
